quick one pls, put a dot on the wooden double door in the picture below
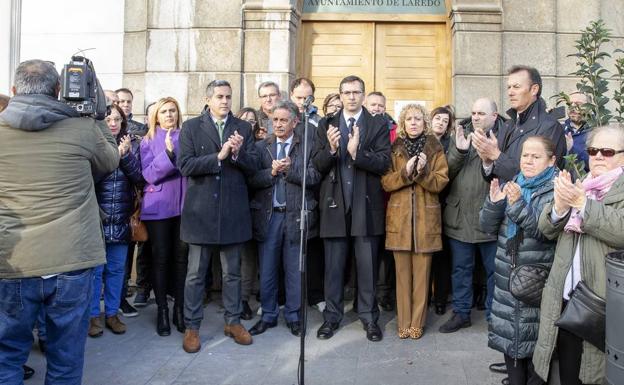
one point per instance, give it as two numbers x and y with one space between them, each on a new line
405 61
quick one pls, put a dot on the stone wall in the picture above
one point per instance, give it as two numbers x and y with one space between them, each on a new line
489 36
176 47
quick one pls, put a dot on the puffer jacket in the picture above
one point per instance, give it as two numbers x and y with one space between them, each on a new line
514 325
116 194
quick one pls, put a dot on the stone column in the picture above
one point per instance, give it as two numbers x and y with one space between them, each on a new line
176 47
477 51
10 20
270 41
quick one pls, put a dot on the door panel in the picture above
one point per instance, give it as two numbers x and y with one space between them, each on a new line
412 59
335 50
404 61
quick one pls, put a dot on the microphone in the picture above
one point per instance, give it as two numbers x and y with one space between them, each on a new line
309 100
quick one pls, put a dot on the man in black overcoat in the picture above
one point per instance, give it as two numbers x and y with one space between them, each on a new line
500 152
352 152
216 154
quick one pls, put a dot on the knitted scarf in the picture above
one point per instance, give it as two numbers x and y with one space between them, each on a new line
595 189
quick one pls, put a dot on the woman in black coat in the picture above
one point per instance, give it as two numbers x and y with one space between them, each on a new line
115 194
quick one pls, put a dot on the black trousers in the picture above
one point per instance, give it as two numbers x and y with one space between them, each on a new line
315 268
521 371
386 283
441 268
569 350
337 250
168 253
143 266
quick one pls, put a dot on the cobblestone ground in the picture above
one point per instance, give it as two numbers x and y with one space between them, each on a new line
140 356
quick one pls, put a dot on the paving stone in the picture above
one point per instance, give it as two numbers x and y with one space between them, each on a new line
142 357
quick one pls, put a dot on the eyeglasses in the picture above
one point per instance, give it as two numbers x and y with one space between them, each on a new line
116 120
606 152
352 93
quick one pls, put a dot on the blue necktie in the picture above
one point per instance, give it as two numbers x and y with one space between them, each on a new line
280 189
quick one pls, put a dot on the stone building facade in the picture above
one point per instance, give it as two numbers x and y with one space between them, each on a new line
175 47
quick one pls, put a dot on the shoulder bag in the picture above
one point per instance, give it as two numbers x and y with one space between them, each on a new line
585 314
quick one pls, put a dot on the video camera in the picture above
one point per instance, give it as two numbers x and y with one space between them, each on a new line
81 89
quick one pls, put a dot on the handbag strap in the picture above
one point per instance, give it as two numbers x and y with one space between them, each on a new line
576 246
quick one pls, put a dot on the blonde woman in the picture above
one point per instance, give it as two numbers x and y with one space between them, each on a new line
161 208
413 219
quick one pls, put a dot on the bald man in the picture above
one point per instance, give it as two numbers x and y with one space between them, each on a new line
467 191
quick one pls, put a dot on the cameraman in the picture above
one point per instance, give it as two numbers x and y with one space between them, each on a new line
50 231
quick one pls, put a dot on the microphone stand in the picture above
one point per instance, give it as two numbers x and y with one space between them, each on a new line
303 227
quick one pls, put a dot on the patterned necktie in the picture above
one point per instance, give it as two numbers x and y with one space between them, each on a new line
280 189
220 125
351 123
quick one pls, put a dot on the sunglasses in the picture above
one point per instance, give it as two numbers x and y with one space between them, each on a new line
606 152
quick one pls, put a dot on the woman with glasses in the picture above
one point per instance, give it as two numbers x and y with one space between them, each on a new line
116 195
250 115
587 220
331 104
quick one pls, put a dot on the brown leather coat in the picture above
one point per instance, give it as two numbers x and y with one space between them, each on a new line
413 217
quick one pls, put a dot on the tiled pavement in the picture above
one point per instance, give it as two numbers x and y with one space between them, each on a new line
140 356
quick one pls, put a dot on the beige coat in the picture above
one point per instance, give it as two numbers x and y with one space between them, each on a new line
413 216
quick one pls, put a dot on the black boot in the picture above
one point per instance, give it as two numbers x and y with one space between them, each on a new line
178 318
162 321
482 297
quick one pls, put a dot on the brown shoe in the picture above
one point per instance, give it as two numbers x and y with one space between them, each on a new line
115 324
95 327
239 333
191 343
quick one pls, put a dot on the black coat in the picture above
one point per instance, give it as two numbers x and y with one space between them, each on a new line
263 184
216 206
371 162
116 194
515 131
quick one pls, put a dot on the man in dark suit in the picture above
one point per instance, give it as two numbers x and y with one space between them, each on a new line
352 151
276 210
216 154
500 152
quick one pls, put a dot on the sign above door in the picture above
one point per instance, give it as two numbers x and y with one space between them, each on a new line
423 7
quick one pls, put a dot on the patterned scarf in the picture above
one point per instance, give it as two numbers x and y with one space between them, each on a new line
595 189
414 146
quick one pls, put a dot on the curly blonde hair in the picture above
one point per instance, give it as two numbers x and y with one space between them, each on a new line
411 108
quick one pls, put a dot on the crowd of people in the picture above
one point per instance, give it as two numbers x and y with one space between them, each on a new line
396 212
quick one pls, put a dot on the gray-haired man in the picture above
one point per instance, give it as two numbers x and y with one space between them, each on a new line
51 235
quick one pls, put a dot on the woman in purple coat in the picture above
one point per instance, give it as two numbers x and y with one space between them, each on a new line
162 204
